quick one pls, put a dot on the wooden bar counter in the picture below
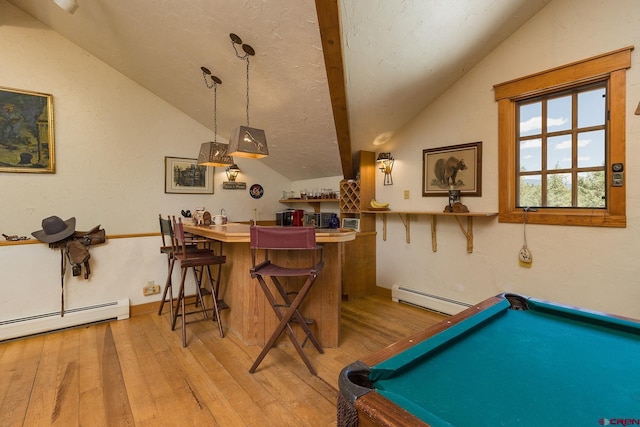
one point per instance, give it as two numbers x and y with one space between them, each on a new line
250 316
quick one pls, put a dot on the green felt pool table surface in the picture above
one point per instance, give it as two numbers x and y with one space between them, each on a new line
543 366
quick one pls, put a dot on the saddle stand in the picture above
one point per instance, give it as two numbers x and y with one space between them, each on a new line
76 249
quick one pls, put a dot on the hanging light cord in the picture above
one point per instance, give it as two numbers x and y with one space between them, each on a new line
244 57
524 224
247 59
214 85
215 112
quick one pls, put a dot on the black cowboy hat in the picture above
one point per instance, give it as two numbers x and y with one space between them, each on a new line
55 229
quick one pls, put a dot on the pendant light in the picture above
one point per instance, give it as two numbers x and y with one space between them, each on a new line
213 153
246 141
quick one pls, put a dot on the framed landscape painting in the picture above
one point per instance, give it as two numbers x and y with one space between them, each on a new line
184 176
457 167
26 132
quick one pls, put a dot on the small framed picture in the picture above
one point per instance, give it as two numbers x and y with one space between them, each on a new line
184 176
456 167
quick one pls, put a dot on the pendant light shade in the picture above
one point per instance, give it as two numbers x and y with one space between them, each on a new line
214 154
249 143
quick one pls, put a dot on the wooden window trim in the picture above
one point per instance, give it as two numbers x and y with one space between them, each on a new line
611 66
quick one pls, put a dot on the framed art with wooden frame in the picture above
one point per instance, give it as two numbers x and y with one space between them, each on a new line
26 131
457 167
184 176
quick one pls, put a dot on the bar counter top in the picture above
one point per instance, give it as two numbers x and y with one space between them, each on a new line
239 233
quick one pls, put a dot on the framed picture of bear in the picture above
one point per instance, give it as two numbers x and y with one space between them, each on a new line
457 167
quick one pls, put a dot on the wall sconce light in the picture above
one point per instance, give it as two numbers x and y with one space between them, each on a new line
69 6
232 173
386 166
213 153
246 141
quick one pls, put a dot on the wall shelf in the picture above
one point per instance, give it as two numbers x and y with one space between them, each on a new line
405 216
315 203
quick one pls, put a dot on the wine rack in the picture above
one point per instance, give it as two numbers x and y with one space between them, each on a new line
349 196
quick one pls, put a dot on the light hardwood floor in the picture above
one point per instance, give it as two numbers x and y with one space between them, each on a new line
135 372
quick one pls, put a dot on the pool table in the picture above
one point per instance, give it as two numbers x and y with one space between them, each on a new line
508 361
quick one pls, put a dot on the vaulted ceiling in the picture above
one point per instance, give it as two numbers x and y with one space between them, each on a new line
386 61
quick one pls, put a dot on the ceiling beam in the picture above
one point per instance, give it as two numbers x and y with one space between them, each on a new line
329 23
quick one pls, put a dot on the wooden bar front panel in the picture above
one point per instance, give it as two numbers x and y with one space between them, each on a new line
251 317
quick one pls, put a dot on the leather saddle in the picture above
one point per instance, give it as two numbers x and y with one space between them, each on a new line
76 248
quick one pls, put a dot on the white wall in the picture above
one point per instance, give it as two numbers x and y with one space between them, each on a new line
585 266
111 137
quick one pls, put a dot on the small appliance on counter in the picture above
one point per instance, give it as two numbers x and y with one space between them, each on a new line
298 218
291 217
285 218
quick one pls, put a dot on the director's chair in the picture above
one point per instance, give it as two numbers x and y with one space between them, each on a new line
270 240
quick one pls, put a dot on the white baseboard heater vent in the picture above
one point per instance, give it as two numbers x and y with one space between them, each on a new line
49 322
437 303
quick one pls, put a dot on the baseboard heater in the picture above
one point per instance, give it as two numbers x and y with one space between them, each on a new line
49 322
437 303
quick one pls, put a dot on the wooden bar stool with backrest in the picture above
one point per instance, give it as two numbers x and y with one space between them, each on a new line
166 232
193 260
270 240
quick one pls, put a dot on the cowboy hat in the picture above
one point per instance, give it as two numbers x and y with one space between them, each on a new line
55 229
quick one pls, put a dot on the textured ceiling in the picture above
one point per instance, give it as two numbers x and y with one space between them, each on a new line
399 55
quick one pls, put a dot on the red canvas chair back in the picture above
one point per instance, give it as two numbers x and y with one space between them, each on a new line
283 238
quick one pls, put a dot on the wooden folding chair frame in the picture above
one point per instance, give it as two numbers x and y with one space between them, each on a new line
286 238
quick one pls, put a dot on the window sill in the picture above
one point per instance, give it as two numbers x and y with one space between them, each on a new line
586 217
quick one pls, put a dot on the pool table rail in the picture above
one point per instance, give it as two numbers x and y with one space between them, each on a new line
397 347
360 404
355 386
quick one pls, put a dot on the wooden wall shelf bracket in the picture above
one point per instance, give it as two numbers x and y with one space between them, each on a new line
405 217
406 220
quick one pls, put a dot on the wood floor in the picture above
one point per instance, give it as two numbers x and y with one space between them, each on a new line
135 372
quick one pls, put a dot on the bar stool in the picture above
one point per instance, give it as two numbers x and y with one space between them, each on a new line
204 259
270 240
168 245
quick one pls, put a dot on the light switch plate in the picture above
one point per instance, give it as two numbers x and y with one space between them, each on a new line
617 179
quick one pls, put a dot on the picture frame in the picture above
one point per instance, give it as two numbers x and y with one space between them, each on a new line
184 176
26 131
456 167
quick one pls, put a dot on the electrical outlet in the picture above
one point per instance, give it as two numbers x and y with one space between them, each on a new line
151 289
406 194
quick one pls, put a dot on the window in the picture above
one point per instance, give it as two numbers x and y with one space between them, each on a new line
560 149
560 131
